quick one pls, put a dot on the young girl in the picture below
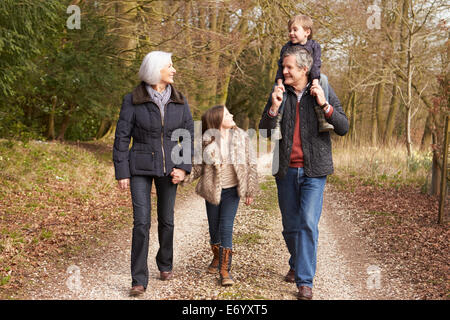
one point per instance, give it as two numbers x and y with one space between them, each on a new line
227 174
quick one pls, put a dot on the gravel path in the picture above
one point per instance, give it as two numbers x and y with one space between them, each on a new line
259 260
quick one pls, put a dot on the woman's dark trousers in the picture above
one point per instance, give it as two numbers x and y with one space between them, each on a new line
140 193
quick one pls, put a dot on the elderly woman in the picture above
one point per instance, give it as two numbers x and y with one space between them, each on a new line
149 115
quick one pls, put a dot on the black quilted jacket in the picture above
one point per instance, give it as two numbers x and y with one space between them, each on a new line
153 144
316 146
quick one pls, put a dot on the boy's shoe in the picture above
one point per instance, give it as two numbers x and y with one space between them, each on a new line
324 126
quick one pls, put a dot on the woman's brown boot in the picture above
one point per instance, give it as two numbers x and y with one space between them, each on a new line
214 265
225 256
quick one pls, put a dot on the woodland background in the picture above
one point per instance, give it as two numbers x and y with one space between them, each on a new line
61 89
66 83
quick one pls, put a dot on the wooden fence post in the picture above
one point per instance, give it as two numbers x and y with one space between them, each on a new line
444 172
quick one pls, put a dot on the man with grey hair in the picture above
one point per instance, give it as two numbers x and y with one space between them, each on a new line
302 161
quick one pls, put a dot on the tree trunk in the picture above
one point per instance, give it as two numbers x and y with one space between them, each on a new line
273 66
352 129
379 111
110 133
436 173
436 170
438 131
65 123
188 50
409 97
51 120
214 58
125 12
374 119
245 122
426 137
222 93
408 132
392 115
104 126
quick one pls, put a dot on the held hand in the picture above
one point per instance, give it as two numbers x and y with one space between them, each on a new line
317 91
248 201
123 184
175 178
177 175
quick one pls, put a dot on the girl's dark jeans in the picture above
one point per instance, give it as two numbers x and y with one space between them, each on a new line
221 217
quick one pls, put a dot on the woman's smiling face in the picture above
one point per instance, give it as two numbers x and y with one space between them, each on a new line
167 73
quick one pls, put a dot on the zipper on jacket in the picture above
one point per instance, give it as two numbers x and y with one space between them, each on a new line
162 148
162 135
162 143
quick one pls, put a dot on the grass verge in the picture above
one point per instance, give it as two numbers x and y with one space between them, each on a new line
384 167
56 200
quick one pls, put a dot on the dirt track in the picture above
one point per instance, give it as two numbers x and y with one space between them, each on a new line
346 269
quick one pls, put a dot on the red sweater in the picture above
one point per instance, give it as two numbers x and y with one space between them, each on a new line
297 151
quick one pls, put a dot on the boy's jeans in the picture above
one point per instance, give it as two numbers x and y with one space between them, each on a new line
324 84
221 217
300 199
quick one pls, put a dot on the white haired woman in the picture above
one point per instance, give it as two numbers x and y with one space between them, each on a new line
149 115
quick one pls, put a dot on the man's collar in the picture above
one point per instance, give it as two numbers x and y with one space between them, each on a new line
305 89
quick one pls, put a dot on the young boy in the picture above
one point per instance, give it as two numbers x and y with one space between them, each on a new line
300 34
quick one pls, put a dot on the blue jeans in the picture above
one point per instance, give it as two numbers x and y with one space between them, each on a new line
221 218
140 187
300 199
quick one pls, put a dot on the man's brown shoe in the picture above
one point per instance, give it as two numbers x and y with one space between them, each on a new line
304 293
290 276
166 275
137 291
